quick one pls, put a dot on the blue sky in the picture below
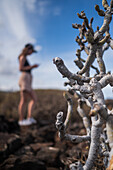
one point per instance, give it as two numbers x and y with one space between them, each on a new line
48 25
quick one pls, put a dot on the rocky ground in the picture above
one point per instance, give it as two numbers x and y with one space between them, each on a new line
38 147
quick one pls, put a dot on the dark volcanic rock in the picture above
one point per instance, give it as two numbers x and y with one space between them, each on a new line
27 138
9 143
50 155
26 162
47 132
9 126
23 162
37 146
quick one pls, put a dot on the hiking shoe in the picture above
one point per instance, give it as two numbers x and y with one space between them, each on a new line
24 122
32 120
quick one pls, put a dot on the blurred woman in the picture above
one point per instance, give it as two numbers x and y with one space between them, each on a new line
25 83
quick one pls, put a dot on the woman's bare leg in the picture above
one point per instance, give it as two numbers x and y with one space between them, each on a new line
21 107
31 103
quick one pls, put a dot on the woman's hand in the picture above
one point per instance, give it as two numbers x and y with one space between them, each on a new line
35 65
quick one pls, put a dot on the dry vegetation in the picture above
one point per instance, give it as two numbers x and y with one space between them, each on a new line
49 103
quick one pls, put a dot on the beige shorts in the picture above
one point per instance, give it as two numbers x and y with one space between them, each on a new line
25 81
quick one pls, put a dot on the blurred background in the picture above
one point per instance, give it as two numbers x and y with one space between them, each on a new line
48 25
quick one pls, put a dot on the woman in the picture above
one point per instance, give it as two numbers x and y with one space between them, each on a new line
25 83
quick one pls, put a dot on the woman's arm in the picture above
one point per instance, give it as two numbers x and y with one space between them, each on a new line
25 68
